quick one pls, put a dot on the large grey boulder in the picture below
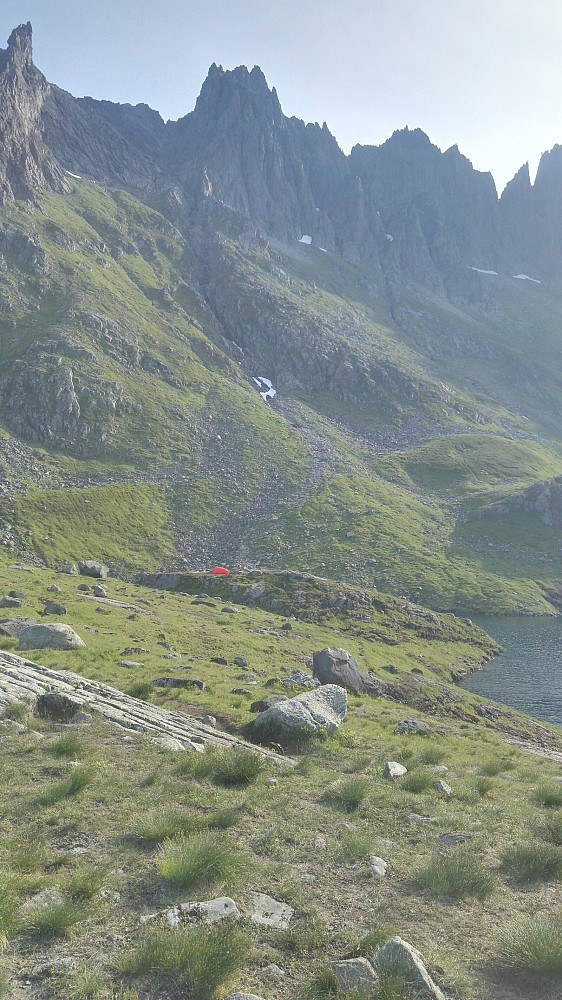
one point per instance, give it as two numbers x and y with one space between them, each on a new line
399 956
55 636
324 708
89 567
12 627
11 602
337 666
393 770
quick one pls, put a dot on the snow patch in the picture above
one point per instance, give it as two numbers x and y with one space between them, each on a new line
268 391
389 237
525 277
306 239
237 346
77 176
480 270
322 249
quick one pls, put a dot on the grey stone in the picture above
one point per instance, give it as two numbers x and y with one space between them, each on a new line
324 708
69 568
208 912
412 726
377 866
269 912
337 666
274 970
89 567
397 954
416 818
56 636
356 974
84 588
454 838
52 608
241 661
129 663
227 610
242 996
42 900
17 593
101 591
442 787
53 589
286 627
209 720
11 602
392 770
13 626
240 691
81 717
179 682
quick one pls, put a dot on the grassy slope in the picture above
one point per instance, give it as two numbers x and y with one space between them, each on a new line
295 827
193 421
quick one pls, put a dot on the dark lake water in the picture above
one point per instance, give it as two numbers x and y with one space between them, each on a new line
528 675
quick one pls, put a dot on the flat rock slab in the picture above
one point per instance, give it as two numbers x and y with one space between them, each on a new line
56 636
208 912
356 974
23 680
269 911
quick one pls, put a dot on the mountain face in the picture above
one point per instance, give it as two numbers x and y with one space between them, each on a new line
298 358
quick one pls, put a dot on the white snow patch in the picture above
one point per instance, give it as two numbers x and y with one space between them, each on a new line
480 270
237 346
389 237
269 392
306 239
525 277
77 176
322 249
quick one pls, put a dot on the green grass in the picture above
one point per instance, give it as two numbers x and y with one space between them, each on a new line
86 880
532 947
228 767
67 745
551 829
533 862
459 875
548 796
9 911
55 918
201 959
348 794
79 779
201 859
416 782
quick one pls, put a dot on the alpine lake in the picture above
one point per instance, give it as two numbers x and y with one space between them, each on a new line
528 674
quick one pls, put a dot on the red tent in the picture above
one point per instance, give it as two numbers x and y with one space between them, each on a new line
220 569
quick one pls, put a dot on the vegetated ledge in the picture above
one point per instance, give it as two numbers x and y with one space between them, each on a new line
310 598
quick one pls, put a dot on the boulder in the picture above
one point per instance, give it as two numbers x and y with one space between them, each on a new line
442 787
17 593
324 708
52 608
13 626
377 866
56 636
392 770
101 591
399 956
53 589
357 975
337 666
89 567
69 568
11 602
179 682
264 703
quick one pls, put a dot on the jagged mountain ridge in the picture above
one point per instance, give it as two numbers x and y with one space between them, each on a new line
140 299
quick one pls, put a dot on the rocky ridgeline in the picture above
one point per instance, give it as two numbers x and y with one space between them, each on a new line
543 500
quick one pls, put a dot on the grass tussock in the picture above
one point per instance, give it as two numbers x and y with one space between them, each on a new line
9 912
348 794
533 862
551 829
416 782
86 881
205 858
79 779
55 918
548 796
532 947
202 959
67 745
229 768
166 823
459 875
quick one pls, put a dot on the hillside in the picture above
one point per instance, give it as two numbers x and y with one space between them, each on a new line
272 354
93 812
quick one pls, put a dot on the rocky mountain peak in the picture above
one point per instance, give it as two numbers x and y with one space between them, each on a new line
239 91
20 49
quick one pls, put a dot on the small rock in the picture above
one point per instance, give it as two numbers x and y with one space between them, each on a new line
392 669
81 717
442 787
416 818
130 663
274 970
100 590
52 608
240 691
11 602
209 720
242 996
272 782
454 838
392 770
269 912
240 661
53 589
84 588
412 726
42 900
377 866
69 568
208 912
55 705
221 660
17 593
286 627
227 610
89 567
398 954
356 975
168 742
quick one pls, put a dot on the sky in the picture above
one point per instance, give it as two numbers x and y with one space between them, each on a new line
482 74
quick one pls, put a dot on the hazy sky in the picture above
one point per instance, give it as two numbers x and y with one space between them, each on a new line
484 74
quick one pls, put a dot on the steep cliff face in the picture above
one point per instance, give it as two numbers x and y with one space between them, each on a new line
26 165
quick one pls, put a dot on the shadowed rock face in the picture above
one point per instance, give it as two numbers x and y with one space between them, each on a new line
26 165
